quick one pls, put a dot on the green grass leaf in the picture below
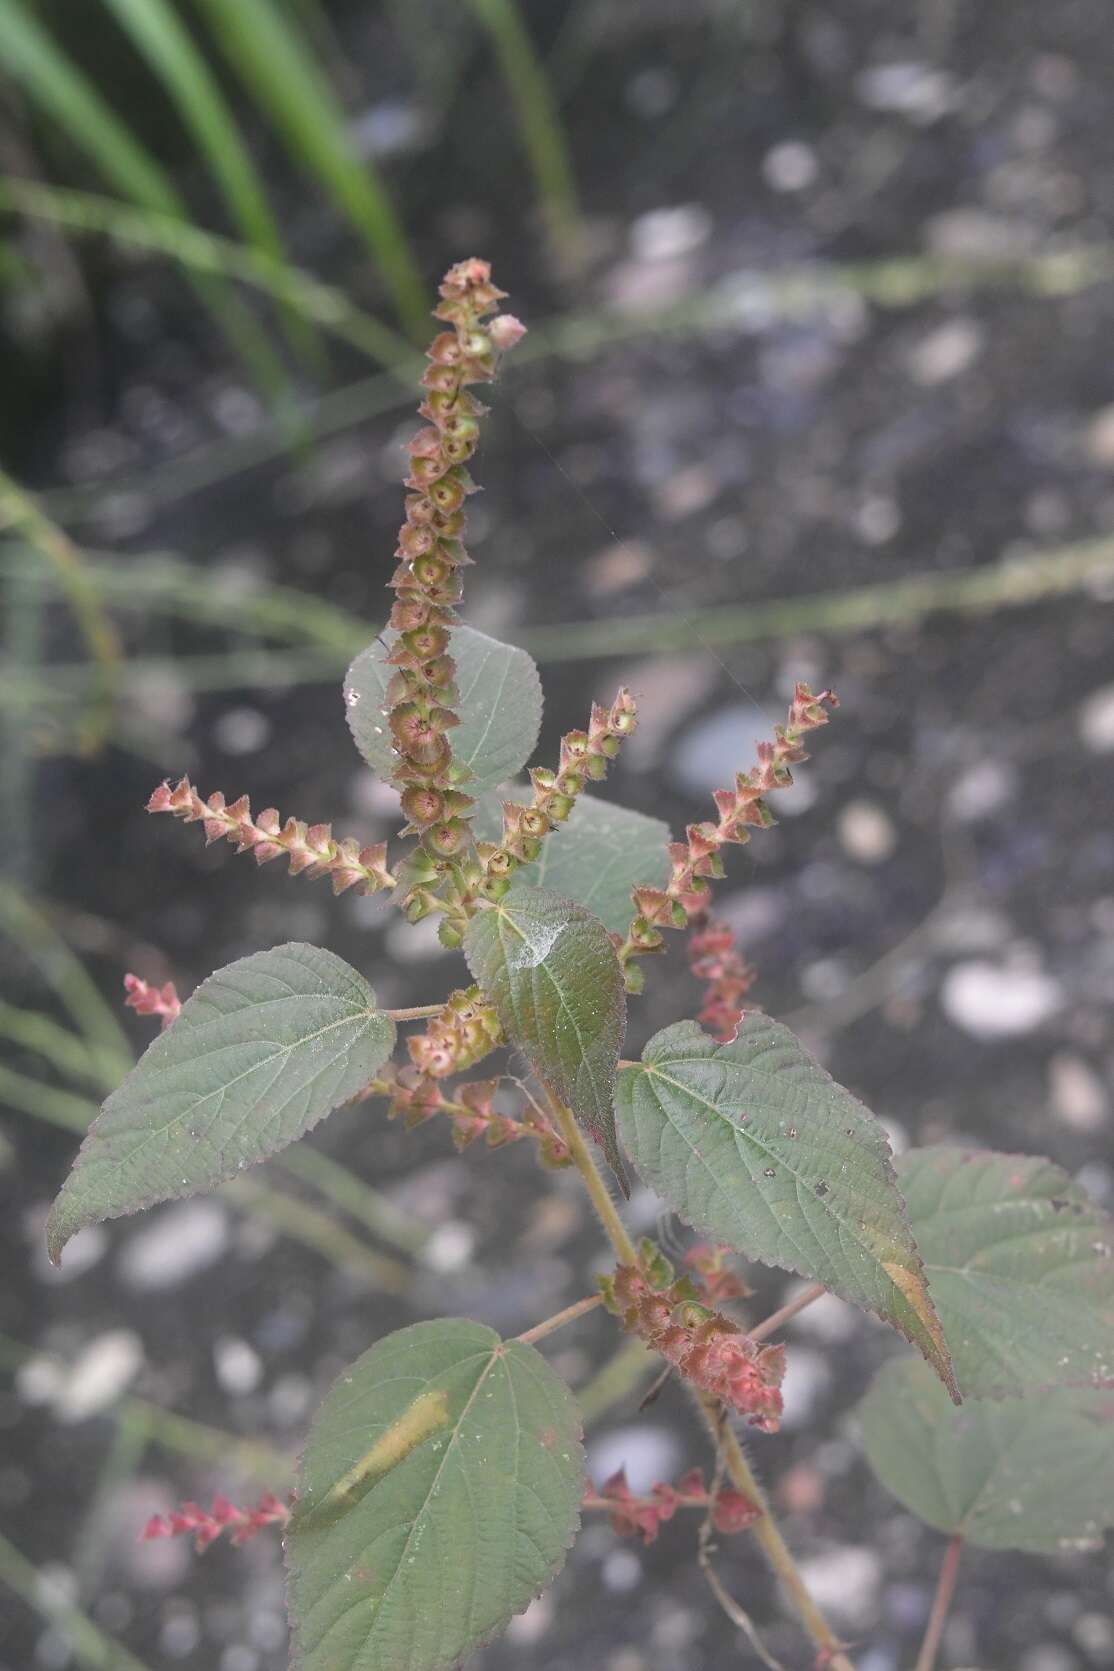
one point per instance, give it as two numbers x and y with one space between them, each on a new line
280 71
753 1143
71 101
500 707
260 1053
1021 1266
596 858
440 1490
550 969
1021 1473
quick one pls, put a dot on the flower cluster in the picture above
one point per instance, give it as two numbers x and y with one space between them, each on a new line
415 1097
427 582
146 999
714 959
706 1347
642 1517
717 1280
584 758
464 1032
224 1516
698 858
309 847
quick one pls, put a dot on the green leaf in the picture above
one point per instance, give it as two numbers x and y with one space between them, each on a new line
500 706
550 969
1021 1266
261 1052
440 1490
1017 1473
596 858
754 1144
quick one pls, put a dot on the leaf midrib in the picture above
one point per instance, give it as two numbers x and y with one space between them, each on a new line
741 1131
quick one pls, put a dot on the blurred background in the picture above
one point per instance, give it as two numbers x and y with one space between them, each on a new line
818 384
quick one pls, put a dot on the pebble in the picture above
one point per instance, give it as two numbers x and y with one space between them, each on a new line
998 1000
981 790
916 91
845 1583
1096 720
450 1247
945 352
181 1242
664 234
808 1375
622 1571
1099 438
102 1372
648 1454
532 1625
790 166
829 1318
238 1366
866 833
1076 1092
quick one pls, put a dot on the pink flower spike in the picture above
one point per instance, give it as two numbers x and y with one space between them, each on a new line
146 999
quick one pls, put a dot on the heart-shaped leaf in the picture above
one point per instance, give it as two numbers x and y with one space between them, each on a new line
596 858
550 969
440 1490
260 1052
499 706
1021 1265
1015 1473
753 1143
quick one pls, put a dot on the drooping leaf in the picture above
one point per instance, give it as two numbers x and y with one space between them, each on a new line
550 969
753 1143
1021 1266
260 1052
1016 1473
500 706
596 858
440 1490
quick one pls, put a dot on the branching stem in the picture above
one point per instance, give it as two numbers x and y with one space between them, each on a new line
417 1012
560 1318
777 1319
770 1540
941 1604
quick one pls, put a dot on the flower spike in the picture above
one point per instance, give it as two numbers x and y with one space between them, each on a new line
309 847
698 858
146 999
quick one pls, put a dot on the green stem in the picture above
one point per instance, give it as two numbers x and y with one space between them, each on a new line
770 1540
571 1312
941 1604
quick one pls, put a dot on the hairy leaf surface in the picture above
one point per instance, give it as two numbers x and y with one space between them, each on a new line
550 969
753 1143
440 1491
1021 1266
500 706
1015 1473
260 1052
596 858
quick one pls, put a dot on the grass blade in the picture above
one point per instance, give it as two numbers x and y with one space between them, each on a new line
158 34
70 100
536 113
280 72
205 252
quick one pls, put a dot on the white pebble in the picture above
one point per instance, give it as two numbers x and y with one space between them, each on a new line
664 234
981 790
450 1247
238 1365
180 1242
845 1582
995 1000
790 166
1076 1092
101 1374
866 833
1096 720
945 352
808 1376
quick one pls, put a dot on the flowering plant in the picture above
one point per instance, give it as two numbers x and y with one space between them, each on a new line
443 1479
